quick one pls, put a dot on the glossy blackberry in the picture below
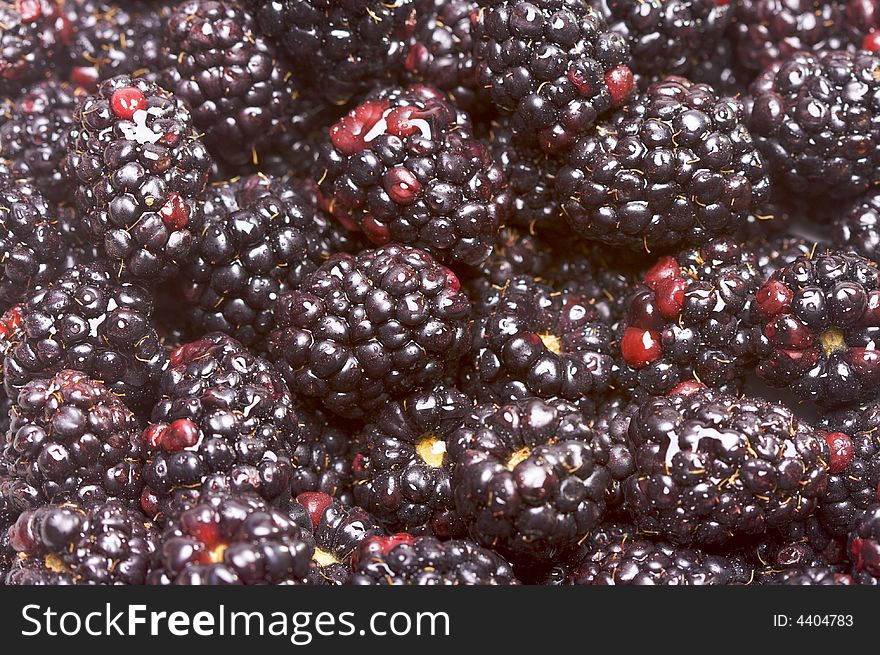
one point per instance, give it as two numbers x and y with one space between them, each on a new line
69 544
339 530
35 35
770 222
526 481
820 318
349 46
235 539
666 36
710 466
139 171
71 439
783 251
808 575
403 166
862 24
767 31
33 135
322 448
405 560
553 65
864 542
368 328
690 319
857 226
441 53
32 246
677 165
719 67
221 421
403 474
112 39
88 322
611 449
814 121
265 240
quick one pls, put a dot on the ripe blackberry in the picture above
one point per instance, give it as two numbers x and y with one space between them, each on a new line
857 226
350 46
808 575
526 481
719 67
690 319
780 252
553 65
677 165
139 170
71 439
262 236
322 448
111 40
32 246
820 318
87 322
402 559
106 544
666 36
864 541
34 36
862 24
441 53
854 467
367 328
235 539
222 421
402 476
611 449
813 119
710 466
542 342
767 31
403 166
33 135
339 530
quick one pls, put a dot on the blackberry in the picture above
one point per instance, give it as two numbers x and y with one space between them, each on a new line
720 69
350 46
820 318
676 165
35 35
808 575
440 53
32 246
338 531
111 40
863 24
33 135
403 474
403 166
710 466
402 559
106 544
262 236
813 119
854 466
611 449
857 226
221 421
71 439
690 319
235 539
666 36
88 322
367 328
864 542
139 171
321 452
553 65
780 252
540 342
767 31
525 479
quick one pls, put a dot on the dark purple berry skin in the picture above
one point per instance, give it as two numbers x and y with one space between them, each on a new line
403 166
820 318
677 165
368 328
35 36
402 475
525 480
864 542
235 539
139 172
71 439
70 544
857 226
710 466
813 119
